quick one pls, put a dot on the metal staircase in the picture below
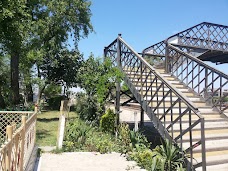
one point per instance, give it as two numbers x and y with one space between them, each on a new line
183 96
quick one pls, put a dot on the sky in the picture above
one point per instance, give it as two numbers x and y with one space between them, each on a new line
146 22
143 23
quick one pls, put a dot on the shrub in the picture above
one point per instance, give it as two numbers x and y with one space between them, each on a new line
107 122
130 139
167 157
143 157
55 102
87 109
76 136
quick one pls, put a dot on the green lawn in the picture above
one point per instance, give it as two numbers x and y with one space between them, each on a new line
47 127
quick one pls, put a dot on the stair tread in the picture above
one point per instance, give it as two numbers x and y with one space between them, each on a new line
220 167
211 145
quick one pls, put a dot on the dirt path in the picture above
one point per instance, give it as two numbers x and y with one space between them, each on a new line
85 161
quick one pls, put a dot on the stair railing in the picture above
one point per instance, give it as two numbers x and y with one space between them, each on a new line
172 114
203 79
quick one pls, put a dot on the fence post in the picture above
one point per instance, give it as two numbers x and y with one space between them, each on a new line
23 123
9 135
64 108
36 108
136 121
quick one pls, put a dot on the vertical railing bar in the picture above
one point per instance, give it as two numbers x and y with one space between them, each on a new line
199 78
181 138
192 72
203 145
187 70
171 99
182 57
212 82
220 93
190 123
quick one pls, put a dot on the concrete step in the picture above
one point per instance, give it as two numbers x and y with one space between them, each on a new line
208 137
183 90
168 104
208 126
150 77
161 97
158 82
218 161
197 132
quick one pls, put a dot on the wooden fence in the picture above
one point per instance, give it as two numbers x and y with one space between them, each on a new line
15 152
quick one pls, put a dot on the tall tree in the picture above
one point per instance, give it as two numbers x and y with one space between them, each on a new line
15 20
56 22
43 26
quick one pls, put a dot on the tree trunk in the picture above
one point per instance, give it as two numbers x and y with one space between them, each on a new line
2 101
14 64
41 90
29 92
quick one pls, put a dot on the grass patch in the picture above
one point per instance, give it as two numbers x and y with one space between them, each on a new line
47 127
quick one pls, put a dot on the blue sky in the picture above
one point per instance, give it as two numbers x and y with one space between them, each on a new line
146 22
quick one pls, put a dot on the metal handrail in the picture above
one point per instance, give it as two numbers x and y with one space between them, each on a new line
168 124
195 38
203 23
199 61
177 92
203 72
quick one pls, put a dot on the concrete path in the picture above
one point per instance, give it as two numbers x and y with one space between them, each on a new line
85 161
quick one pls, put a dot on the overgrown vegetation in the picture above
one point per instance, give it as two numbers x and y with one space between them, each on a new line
83 136
107 122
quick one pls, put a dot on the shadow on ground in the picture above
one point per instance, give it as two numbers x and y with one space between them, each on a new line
150 132
47 119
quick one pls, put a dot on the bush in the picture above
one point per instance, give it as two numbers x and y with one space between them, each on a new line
107 122
131 139
142 156
87 108
80 136
55 102
76 136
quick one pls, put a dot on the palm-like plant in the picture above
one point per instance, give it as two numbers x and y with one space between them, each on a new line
167 157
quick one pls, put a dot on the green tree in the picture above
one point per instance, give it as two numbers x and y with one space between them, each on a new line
15 22
98 77
41 28
4 81
56 22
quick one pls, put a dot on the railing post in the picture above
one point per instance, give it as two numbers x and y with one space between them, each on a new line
117 104
105 53
36 108
142 117
23 122
9 135
141 98
167 68
203 145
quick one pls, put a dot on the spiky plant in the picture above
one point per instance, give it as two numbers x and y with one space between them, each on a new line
167 157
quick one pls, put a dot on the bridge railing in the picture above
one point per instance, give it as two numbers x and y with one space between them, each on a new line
15 152
146 85
203 79
204 35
